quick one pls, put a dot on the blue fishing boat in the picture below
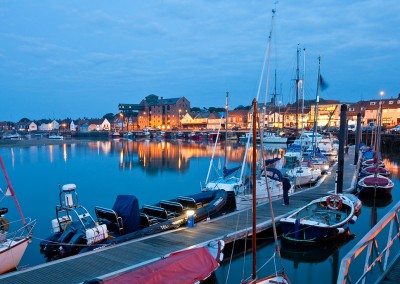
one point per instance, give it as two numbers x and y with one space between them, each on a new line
76 231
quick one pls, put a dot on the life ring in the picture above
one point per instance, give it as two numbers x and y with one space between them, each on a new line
4 225
334 202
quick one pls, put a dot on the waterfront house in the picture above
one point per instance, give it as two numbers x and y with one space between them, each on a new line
238 118
328 113
3 126
89 125
214 121
73 126
84 127
54 125
195 120
32 126
47 125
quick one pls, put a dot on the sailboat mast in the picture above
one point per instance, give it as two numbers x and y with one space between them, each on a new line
297 91
316 105
226 127
275 94
302 88
254 165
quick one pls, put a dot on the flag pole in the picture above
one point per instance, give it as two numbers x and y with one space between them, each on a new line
12 191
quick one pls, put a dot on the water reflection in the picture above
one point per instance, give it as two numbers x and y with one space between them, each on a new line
169 155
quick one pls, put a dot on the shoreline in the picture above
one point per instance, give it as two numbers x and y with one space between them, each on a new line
38 142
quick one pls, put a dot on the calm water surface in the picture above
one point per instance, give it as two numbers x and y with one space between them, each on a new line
152 171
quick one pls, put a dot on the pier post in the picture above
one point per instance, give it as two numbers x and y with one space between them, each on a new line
358 132
342 141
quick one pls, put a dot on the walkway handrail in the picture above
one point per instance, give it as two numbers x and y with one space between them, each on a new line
370 242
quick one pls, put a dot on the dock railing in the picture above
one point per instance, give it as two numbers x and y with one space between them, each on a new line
381 248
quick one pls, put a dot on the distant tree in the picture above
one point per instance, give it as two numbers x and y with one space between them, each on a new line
216 109
109 116
24 120
195 109
242 107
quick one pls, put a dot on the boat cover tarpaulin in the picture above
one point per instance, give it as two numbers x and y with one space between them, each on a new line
228 172
368 155
376 181
127 207
189 266
271 161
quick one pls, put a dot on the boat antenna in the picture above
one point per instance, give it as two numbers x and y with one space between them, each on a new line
11 190
226 127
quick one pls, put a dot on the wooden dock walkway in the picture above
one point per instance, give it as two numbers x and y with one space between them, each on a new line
139 252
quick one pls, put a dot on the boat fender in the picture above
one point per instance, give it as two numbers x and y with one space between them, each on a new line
4 224
353 219
334 202
60 224
340 230
96 234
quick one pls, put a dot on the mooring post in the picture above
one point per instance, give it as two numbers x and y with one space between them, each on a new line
358 140
342 134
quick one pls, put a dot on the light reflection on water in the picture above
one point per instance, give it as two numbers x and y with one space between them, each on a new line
154 170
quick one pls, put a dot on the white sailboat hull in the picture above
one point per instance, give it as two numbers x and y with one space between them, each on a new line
275 140
245 200
304 175
231 184
11 252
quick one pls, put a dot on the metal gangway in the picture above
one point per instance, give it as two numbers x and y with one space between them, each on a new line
375 254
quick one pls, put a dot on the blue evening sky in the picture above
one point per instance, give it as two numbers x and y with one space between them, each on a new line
79 58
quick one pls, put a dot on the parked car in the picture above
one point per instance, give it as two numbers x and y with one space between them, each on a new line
396 129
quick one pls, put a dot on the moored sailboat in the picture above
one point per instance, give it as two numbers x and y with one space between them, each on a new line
279 276
14 239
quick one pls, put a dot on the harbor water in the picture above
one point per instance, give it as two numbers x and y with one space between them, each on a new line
155 170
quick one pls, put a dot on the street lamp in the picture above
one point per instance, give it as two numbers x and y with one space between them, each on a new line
179 118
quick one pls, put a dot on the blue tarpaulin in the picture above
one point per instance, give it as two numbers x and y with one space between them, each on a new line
127 207
317 155
271 161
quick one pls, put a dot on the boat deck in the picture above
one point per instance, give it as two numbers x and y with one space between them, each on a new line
139 252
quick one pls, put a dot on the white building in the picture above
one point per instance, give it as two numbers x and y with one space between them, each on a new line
32 126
